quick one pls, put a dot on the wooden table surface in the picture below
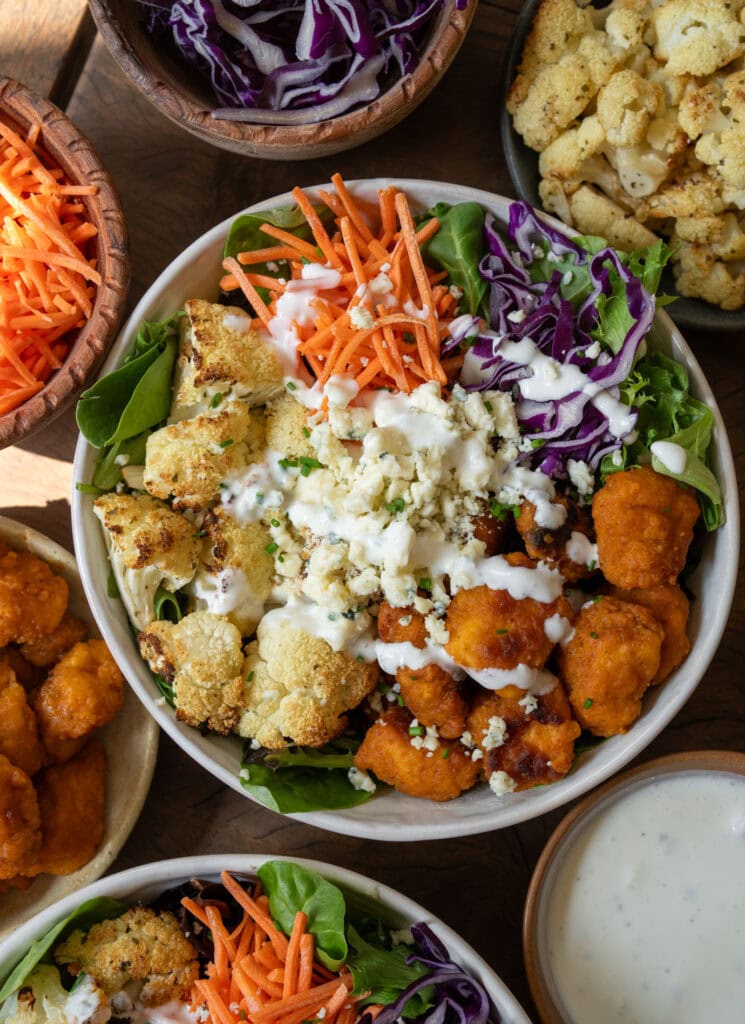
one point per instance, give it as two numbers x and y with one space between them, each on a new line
173 187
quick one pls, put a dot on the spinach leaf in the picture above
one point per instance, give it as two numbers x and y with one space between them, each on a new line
339 753
167 606
87 914
384 974
458 247
136 396
291 888
245 235
107 473
165 689
292 790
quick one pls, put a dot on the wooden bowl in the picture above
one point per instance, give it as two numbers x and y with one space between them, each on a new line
536 902
185 97
69 149
130 741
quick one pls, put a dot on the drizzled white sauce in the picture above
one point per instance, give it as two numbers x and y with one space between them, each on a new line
259 487
236 322
581 550
673 457
645 921
354 636
558 629
294 307
228 593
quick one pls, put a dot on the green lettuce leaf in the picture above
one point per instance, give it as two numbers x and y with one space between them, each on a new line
458 247
384 974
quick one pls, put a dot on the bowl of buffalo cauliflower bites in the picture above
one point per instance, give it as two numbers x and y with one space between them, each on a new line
77 751
392 533
636 111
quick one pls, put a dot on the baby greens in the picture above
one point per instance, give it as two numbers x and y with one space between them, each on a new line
458 247
384 974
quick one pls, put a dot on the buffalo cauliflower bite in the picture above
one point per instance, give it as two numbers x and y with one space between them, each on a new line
150 546
235 575
19 730
609 663
491 629
431 693
189 460
201 657
669 605
550 546
697 37
531 739
227 355
141 945
28 675
20 821
32 598
84 691
644 526
51 647
70 794
412 768
298 688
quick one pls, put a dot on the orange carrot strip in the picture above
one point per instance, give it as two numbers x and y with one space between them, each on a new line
248 989
276 253
351 248
319 231
257 974
305 967
351 207
302 248
248 290
219 931
313 997
218 1010
368 374
292 962
18 397
332 202
336 1002
260 916
426 231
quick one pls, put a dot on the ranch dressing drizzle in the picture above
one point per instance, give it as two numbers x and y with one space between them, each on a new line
645 922
673 457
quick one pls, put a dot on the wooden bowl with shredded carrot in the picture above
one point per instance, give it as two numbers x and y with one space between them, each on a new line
63 261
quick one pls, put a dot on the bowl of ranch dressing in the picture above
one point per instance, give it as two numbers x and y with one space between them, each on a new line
636 909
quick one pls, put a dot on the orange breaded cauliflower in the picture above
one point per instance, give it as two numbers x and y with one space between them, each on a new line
550 546
201 657
19 730
670 607
84 691
20 835
32 598
142 945
298 688
644 526
400 759
50 648
609 663
71 804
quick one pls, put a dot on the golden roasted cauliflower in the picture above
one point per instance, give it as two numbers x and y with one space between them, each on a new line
141 945
150 546
201 657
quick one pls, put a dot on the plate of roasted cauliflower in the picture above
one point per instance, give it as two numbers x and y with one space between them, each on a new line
77 749
625 120
403 509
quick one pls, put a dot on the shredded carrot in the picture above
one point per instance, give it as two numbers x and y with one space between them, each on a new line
385 322
272 983
47 277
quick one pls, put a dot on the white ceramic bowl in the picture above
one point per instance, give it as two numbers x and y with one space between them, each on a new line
391 815
148 880
130 741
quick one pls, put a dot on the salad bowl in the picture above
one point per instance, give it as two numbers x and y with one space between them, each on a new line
145 883
391 815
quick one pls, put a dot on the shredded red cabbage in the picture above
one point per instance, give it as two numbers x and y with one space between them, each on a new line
459 997
523 308
295 61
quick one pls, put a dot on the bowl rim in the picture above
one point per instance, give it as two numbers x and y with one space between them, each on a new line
549 797
687 312
75 155
683 762
170 871
25 538
276 141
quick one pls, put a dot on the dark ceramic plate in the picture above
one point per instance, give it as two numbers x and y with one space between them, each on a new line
522 163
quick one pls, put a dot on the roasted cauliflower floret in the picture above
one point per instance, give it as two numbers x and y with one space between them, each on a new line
298 688
201 657
226 355
690 194
142 945
716 117
698 36
189 460
593 213
150 546
700 274
286 431
625 107
32 598
235 576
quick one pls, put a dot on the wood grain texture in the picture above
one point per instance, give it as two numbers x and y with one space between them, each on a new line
185 97
173 187
70 150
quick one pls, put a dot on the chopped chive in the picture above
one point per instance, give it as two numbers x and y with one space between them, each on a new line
280 558
537 442
291 386
501 632
400 700
397 505
501 511
446 753
594 635
489 408
275 522
588 703
596 598
416 730
593 565
306 432
288 463
227 444
201 533
215 400
425 583
250 676
271 548
259 497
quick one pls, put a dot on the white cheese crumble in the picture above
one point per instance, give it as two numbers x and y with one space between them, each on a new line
581 476
501 783
361 780
495 734
529 703
362 318
430 741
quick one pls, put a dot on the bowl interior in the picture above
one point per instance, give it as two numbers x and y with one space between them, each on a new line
393 816
128 777
148 880
68 149
522 164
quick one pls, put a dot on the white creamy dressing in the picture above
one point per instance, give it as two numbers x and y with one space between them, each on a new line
229 593
581 550
237 322
355 635
673 457
645 921
294 307
558 629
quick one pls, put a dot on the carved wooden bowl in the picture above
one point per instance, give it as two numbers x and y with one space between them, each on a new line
69 149
183 96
